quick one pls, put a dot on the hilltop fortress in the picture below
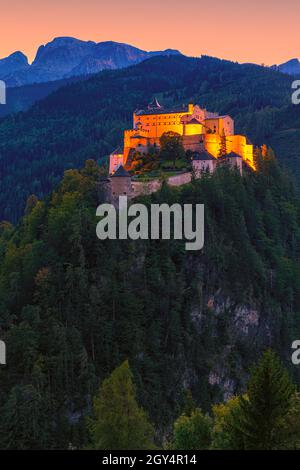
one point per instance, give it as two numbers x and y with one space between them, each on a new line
203 133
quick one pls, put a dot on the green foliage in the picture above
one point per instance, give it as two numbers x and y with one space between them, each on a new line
73 307
223 145
192 432
289 433
26 419
119 422
225 436
171 147
257 421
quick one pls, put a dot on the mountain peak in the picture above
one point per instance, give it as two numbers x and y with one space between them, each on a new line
65 57
13 63
291 67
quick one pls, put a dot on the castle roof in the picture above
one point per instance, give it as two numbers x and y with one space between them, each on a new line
121 173
154 104
233 155
194 121
204 156
138 136
218 117
161 110
118 151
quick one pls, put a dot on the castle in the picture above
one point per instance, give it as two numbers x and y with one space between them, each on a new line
202 132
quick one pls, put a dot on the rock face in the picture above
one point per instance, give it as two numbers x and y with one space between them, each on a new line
292 67
13 63
238 331
66 57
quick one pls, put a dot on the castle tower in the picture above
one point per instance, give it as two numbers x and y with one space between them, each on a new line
121 184
116 159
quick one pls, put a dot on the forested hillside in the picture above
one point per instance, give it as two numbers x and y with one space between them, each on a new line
23 97
87 119
73 308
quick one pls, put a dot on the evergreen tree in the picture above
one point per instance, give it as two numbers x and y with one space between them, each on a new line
189 404
119 422
289 434
262 412
25 421
223 145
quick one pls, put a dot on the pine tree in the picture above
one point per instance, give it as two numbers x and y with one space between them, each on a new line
189 404
290 431
120 424
223 145
25 422
263 411
257 158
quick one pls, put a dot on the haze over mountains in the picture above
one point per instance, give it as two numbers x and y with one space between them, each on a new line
66 57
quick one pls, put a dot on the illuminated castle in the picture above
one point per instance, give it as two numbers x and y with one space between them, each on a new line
203 133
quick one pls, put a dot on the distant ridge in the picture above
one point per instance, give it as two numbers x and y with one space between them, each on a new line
291 67
66 57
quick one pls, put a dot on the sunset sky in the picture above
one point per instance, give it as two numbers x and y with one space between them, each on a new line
261 31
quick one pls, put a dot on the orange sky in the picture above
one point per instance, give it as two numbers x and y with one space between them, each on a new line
261 31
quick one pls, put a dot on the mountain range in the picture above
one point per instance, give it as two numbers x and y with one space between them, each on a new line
292 67
66 57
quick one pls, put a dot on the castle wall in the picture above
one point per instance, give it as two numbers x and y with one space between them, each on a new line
236 162
193 129
140 188
178 180
195 143
239 145
217 124
212 144
143 188
203 165
129 133
121 186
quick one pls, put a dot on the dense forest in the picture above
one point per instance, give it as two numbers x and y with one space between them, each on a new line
74 308
22 98
86 119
